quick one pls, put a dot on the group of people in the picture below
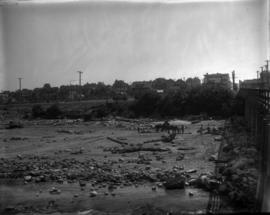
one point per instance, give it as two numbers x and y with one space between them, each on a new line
166 126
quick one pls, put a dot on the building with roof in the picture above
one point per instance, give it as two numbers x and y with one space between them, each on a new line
221 79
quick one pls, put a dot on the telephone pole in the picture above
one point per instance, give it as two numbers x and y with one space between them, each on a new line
80 84
20 83
20 90
266 66
80 77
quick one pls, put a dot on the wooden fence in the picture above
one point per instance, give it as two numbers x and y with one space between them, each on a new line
257 107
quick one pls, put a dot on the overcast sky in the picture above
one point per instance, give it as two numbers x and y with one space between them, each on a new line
48 43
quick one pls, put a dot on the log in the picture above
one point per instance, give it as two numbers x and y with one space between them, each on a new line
137 149
117 141
185 148
152 141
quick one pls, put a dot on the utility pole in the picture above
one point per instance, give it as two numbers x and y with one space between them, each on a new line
70 89
20 89
20 83
266 66
80 77
80 83
233 79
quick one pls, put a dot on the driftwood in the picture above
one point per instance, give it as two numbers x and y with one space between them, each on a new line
152 141
117 141
185 148
137 149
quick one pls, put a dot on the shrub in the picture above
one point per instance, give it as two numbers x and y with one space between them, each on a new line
37 111
53 112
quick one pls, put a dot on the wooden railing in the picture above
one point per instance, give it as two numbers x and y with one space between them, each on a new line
257 115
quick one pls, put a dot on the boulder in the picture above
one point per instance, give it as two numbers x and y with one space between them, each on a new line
176 182
93 193
28 178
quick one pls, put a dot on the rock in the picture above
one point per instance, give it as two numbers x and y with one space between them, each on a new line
177 182
213 157
121 160
190 194
28 178
235 177
10 208
159 184
93 193
55 191
228 171
222 188
226 148
154 188
180 157
218 138
82 183
14 124
241 163
191 171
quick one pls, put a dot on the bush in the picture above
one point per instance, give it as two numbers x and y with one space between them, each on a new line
37 111
147 104
53 112
212 100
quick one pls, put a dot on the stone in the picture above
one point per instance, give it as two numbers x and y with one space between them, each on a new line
222 188
190 194
55 191
177 182
191 171
93 193
213 157
235 177
218 138
82 183
180 157
28 178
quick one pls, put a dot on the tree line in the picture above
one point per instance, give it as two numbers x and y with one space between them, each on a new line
208 100
118 90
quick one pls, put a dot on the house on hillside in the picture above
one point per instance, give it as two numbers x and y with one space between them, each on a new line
193 82
138 88
221 79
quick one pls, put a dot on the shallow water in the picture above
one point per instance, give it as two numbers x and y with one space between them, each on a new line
125 199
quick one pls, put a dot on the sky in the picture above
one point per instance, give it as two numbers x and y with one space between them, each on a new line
48 42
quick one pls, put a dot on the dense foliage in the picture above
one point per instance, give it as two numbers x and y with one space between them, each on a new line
119 90
210 100
158 98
